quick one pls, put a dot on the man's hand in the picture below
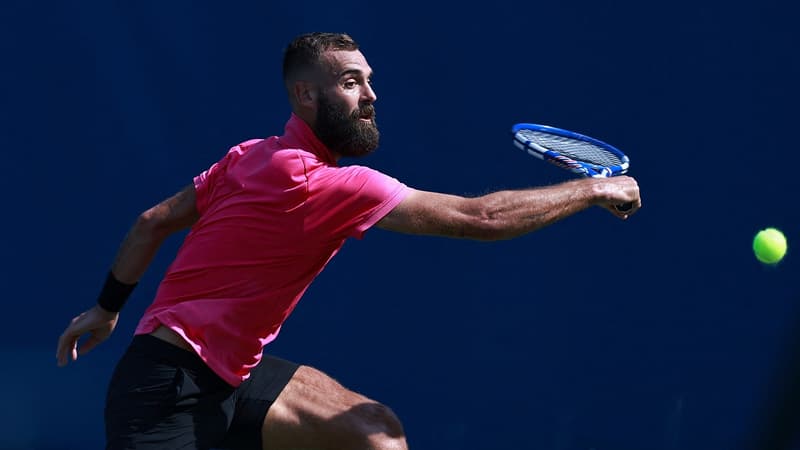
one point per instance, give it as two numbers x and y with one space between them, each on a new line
98 322
620 190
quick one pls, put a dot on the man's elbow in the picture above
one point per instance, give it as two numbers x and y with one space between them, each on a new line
150 226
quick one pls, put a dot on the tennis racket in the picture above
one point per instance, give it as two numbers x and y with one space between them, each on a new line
572 151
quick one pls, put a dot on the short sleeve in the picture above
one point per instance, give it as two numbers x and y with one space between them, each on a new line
347 201
204 182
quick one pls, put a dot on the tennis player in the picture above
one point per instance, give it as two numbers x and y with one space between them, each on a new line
265 220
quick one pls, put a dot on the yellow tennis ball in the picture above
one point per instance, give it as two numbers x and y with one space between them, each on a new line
769 246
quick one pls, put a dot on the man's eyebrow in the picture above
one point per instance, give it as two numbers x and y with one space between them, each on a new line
354 72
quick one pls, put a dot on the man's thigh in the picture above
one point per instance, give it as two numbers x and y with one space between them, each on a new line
315 411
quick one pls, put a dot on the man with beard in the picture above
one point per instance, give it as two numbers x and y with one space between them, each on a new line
265 220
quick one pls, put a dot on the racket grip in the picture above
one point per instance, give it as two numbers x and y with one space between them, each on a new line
624 207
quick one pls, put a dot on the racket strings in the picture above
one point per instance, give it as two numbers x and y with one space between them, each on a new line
573 148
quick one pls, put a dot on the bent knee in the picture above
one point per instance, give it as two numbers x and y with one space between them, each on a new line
376 418
315 411
378 426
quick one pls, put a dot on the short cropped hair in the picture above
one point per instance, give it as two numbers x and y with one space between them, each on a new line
303 53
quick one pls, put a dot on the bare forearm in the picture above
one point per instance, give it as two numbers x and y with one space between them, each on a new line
507 214
135 253
513 213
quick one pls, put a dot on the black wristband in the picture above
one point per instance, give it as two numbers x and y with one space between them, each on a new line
114 293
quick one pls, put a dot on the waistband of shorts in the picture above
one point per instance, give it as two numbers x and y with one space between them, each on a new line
163 350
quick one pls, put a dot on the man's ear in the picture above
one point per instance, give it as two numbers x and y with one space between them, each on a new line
305 93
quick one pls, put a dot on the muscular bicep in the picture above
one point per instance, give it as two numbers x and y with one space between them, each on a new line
432 213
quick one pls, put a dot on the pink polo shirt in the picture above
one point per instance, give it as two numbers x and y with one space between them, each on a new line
273 212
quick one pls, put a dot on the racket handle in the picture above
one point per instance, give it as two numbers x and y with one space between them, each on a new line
624 207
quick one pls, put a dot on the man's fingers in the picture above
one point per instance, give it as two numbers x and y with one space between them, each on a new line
66 347
68 341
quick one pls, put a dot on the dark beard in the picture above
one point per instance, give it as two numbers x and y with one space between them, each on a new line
343 133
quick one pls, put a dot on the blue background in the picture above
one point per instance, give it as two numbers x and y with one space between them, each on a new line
662 332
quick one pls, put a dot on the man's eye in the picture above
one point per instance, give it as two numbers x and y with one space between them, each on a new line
350 84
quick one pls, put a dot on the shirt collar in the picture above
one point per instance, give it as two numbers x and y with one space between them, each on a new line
298 134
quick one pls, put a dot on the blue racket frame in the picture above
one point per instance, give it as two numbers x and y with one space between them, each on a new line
579 167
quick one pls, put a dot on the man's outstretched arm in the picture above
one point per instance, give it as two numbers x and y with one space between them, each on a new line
135 253
507 214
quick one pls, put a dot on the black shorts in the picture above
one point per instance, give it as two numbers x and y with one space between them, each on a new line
164 397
